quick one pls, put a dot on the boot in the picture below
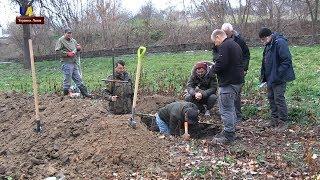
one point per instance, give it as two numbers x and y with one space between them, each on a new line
225 137
84 91
282 126
274 122
65 92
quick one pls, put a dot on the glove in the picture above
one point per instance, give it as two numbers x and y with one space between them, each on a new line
70 54
78 47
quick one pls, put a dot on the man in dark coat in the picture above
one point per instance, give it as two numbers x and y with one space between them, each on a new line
276 71
119 91
202 87
230 73
171 118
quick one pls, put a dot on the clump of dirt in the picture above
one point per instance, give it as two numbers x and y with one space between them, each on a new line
79 140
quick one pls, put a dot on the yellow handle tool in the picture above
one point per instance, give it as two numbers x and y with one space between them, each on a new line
140 53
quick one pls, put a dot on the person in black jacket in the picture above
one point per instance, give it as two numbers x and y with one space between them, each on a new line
276 71
230 73
171 118
202 87
231 33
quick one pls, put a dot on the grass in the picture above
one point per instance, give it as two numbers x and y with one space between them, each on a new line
168 72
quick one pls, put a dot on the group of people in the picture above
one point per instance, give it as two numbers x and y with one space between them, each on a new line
219 81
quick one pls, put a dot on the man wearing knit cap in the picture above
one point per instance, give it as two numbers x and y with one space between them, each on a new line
202 87
171 118
276 71
68 49
229 70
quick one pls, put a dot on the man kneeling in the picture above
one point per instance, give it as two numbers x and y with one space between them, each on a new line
171 118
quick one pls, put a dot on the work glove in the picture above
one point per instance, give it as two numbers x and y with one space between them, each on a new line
78 47
70 54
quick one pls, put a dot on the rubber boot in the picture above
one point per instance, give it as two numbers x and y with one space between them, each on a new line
84 91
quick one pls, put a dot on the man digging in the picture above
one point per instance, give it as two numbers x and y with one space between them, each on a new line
175 115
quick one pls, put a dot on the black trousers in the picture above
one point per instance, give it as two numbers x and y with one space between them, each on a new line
277 101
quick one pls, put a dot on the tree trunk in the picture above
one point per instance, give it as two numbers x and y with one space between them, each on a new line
313 9
26 52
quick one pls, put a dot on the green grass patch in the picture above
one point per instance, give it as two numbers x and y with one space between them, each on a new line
169 72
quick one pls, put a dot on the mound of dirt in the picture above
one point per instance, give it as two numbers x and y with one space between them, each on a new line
150 104
79 140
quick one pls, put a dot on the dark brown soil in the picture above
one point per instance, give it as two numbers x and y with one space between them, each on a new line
79 140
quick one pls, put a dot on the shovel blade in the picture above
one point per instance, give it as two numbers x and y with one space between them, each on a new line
38 128
132 123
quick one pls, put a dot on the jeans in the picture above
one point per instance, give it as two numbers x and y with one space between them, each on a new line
277 101
227 98
237 104
163 127
71 71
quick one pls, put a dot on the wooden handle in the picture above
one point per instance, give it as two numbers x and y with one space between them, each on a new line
186 128
34 80
136 84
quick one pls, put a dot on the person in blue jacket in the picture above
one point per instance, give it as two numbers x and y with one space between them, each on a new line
276 71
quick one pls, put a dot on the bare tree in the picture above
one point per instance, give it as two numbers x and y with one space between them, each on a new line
240 15
212 11
313 6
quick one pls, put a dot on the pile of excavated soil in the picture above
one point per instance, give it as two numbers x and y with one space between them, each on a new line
80 139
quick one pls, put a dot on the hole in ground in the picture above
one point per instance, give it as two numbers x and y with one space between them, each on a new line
202 131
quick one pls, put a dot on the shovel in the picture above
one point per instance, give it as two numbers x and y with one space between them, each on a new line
38 128
140 53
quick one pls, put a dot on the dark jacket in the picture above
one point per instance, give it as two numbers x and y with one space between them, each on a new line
111 85
173 115
276 65
245 50
228 66
207 84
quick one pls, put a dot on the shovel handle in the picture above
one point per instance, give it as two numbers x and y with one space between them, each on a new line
34 79
186 128
141 51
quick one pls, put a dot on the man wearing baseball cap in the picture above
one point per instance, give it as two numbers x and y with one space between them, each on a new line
68 49
276 71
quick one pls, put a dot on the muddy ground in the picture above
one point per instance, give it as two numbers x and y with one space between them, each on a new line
81 140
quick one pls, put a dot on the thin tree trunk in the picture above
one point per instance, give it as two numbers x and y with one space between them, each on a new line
26 52
314 18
